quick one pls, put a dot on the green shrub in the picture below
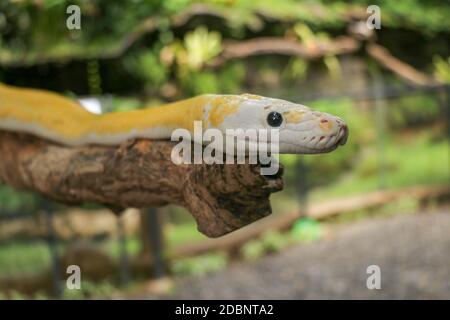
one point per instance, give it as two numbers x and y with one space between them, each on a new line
412 111
200 265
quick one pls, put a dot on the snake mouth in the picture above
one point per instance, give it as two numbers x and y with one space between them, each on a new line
326 143
314 144
343 135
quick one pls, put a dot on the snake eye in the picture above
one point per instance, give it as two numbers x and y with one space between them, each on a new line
274 119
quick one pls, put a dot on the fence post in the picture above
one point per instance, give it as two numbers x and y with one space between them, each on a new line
301 171
380 118
123 253
153 238
444 101
53 249
448 109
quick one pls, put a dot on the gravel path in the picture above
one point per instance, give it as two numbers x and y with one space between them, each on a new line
413 252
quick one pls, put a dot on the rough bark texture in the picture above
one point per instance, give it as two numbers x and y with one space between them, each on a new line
222 198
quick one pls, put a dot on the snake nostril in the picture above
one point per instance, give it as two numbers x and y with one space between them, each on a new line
324 121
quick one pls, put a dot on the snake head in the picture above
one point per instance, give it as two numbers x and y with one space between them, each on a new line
301 129
308 131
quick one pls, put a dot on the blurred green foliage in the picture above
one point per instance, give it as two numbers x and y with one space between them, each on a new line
270 242
200 265
18 257
92 290
105 20
164 46
414 158
179 234
414 111
200 46
303 230
406 205
306 229
442 69
13 201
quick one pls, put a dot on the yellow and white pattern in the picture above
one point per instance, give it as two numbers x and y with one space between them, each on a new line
57 118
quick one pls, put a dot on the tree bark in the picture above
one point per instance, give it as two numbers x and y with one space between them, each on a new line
139 173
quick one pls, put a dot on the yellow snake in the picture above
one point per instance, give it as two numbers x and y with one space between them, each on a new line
57 118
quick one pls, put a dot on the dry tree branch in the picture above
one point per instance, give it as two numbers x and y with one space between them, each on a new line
405 71
140 173
284 46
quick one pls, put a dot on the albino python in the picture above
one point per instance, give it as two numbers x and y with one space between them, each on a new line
54 117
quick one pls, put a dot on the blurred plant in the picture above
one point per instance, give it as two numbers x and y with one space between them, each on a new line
231 77
200 265
442 69
92 290
401 206
274 241
105 23
333 66
404 205
21 257
198 47
297 68
201 46
311 41
180 229
148 66
306 230
15 295
94 78
125 104
199 82
188 58
415 158
413 110
252 250
132 243
270 242
306 35
15 201
173 6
